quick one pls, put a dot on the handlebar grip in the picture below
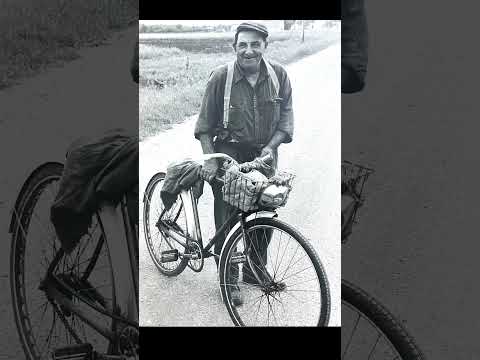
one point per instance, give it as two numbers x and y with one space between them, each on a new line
218 180
266 158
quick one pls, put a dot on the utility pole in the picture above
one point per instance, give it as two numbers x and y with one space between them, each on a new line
303 31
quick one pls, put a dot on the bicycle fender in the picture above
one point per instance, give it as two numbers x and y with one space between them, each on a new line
13 220
257 215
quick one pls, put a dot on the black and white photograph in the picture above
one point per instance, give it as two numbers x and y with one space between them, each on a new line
239 177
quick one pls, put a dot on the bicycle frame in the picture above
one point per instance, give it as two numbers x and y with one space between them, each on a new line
193 224
119 256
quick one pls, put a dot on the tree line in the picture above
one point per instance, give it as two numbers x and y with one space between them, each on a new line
160 28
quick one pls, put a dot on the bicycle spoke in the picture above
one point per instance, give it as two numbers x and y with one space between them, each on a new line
298 272
83 262
258 257
36 217
268 311
89 241
303 290
279 301
39 307
257 299
271 307
275 267
302 282
351 336
47 341
258 309
374 346
303 302
288 266
37 323
267 244
295 263
283 254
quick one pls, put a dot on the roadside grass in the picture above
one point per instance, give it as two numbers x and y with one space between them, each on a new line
183 75
37 34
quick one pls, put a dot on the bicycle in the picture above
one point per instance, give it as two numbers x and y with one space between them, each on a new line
369 329
55 294
287 284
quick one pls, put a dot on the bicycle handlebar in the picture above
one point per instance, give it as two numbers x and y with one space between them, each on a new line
251 165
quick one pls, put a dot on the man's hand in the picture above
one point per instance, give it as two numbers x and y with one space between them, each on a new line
267 150
209 170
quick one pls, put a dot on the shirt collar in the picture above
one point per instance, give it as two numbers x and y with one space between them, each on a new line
238 73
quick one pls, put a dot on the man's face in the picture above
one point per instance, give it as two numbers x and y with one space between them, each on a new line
249 48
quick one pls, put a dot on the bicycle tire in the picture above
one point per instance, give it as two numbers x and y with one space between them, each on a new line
32 191
147 200
272 223
379 316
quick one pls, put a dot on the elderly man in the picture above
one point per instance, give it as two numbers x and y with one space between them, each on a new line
246 113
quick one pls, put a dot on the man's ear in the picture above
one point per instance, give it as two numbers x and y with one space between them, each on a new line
266 44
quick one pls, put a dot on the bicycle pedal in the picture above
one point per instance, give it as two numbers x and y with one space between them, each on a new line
238 258
74 352
169 256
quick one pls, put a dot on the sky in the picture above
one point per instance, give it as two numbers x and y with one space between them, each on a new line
191 22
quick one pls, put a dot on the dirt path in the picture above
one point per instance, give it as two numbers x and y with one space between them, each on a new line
40 117
193 299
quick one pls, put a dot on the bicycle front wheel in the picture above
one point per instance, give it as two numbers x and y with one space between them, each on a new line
370 331
279 275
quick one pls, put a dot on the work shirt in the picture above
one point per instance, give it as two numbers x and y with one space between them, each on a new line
255 113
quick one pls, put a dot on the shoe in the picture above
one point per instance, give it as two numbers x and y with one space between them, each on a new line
250 279
237 297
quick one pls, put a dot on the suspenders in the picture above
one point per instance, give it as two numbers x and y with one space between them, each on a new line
228 87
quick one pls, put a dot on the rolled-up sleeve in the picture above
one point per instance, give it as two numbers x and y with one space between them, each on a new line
210 114
286 109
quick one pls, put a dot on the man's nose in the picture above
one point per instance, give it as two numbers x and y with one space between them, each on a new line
249 50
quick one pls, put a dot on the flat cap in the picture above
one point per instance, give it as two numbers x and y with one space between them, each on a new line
253 26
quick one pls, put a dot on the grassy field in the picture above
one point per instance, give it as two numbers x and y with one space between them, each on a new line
174 71
37 34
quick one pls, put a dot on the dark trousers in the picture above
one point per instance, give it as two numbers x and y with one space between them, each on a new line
222 211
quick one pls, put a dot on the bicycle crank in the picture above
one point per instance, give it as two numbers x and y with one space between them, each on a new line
194 256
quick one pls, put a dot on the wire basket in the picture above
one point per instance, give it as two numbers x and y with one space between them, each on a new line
248 193
354 177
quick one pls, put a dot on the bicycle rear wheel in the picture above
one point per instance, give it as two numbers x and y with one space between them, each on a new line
289 286
158 242
43 324
370 331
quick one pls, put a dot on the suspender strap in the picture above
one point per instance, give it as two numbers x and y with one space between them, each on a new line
273 76
228 91
228 87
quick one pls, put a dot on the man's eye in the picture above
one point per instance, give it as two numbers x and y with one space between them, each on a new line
242 45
